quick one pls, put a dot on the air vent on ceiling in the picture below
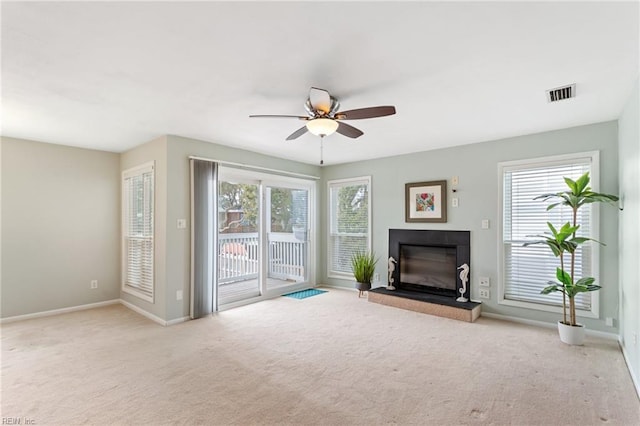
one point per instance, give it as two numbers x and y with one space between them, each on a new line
561 93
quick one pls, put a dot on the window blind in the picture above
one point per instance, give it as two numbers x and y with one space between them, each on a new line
138 212
349 212
528 269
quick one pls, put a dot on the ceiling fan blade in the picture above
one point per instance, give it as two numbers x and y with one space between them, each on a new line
320 99
371 112
278 116
349 131
301 131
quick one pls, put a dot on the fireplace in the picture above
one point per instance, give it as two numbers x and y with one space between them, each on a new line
428 261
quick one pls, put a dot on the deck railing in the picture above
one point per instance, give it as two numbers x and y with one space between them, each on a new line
238 257
286 257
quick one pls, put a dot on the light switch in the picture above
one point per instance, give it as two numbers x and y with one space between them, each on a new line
485 223
454 180
182 223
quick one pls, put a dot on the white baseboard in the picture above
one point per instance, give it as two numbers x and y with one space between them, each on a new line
93 306
144 313
178 320
595 333
634 378
59 311
337 287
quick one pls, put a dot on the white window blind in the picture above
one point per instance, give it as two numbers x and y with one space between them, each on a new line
349 222
528 269
138 216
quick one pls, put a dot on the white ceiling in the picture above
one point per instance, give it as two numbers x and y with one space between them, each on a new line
113 75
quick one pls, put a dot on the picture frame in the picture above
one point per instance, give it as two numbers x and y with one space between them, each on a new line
426 201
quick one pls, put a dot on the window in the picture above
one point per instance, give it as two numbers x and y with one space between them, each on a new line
526 270
137 224
349 222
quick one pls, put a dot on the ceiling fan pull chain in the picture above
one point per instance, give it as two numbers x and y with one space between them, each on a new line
321 149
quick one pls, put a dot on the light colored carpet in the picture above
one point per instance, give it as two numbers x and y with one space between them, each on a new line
331 359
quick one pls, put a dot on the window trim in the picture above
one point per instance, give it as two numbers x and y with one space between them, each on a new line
594 158
136 171
342 182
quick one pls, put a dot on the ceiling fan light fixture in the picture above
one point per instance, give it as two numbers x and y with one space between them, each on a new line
322 126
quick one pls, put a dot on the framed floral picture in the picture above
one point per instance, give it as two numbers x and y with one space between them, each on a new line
426 201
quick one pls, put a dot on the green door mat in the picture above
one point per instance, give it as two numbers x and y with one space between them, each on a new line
303 294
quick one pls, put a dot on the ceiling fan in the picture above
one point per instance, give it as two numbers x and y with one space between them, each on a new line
323 117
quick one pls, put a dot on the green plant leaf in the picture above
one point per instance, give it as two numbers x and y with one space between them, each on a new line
555 247
550 289
557 250
581 240
572 201
363 266
572 185
595 197
563 277
545 197
551 206
585 281
566 231
585 288
582 183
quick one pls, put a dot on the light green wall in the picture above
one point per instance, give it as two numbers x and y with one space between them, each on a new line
178 207
629 174
71 171
60 226
476 166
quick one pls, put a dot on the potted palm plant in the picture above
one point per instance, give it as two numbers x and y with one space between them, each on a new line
363 266
562 242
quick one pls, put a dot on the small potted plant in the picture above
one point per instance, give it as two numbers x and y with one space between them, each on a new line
363 266
564 241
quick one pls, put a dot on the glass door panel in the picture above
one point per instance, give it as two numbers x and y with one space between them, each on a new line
287 213
238 239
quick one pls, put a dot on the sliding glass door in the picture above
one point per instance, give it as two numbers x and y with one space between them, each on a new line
263 235
287 210
238 238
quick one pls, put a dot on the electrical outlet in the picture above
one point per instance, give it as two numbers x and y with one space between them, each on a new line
609 322
485 293
376 277
485 223
484 282
94 284
454 202
182 223
178 294
635 339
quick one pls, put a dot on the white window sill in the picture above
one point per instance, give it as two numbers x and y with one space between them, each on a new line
136 293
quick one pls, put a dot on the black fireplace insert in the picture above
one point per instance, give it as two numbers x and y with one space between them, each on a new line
429 261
